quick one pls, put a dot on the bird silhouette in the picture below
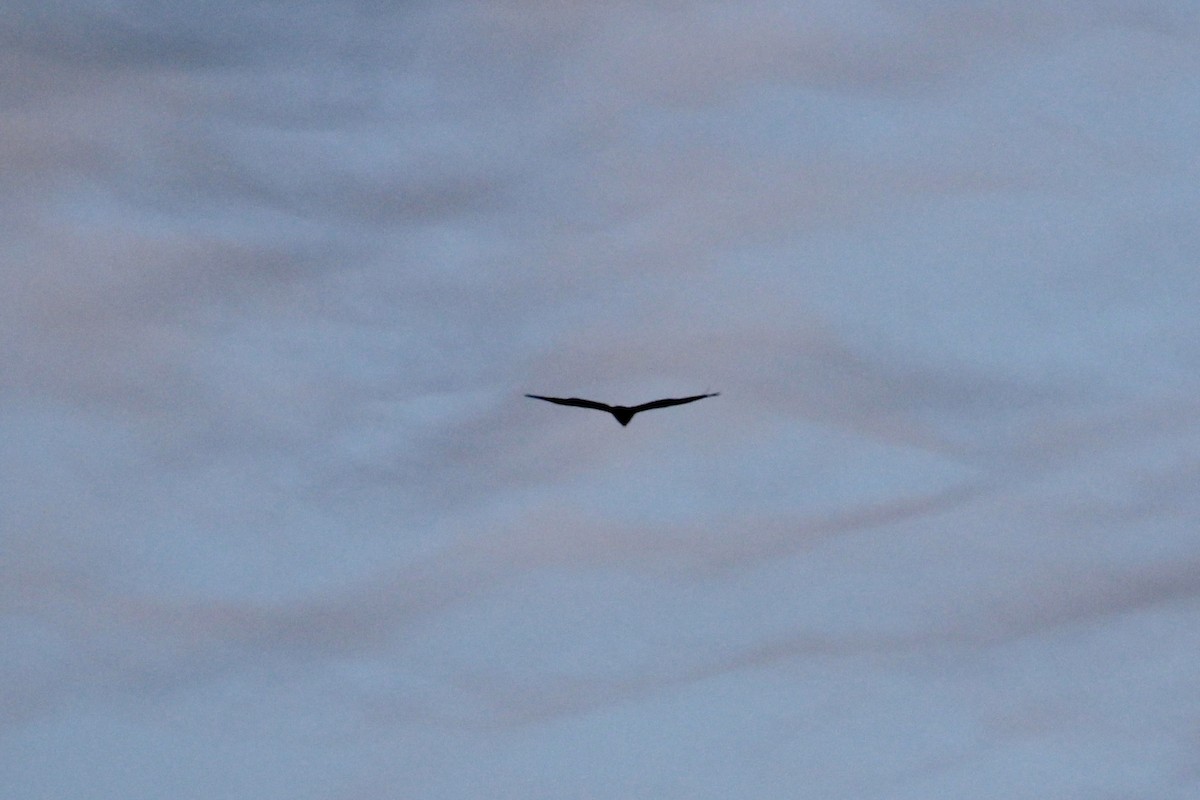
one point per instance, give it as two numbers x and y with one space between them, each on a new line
622 413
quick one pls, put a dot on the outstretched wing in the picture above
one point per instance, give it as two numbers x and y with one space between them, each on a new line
671 401
573 401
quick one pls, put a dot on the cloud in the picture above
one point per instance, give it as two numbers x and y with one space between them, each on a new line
277 275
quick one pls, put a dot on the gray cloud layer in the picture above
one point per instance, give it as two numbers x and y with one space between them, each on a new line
277 522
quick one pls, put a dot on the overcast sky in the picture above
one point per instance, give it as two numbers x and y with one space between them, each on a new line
277 523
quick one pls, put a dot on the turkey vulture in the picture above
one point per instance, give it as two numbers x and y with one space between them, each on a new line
622 413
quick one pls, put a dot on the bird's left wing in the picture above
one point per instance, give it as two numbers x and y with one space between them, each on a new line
573 401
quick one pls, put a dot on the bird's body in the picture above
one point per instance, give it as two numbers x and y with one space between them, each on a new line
622 413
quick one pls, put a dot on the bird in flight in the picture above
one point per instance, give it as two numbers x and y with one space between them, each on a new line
622 413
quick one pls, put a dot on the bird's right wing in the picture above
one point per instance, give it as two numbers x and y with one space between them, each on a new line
573 401
671 401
